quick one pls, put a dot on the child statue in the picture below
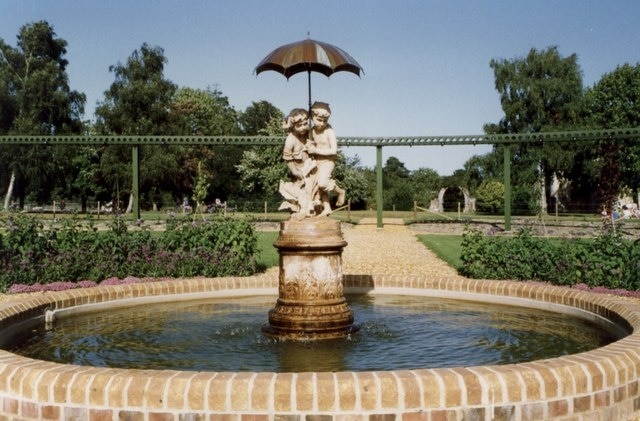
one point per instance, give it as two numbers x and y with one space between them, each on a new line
301 193
324 149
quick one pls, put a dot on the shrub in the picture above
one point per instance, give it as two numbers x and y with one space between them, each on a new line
606 261
490 196
31 254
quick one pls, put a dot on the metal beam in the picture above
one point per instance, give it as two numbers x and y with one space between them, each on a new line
624 134
483 139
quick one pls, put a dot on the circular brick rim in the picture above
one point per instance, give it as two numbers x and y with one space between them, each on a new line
603 381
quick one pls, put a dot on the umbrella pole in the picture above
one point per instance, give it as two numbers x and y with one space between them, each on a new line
309 115
309 85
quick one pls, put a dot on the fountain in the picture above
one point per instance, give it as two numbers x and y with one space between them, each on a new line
311 303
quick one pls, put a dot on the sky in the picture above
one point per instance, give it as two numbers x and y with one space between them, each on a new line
426 63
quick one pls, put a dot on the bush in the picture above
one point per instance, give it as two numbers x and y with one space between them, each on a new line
31 254
490 197
606 261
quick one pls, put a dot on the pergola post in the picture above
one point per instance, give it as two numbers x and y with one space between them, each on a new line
507 187
135 180
379 185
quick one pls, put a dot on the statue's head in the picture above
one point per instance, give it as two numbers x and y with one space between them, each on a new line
297 121
320 108
320 113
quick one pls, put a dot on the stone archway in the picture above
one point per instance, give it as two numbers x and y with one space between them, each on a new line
437 205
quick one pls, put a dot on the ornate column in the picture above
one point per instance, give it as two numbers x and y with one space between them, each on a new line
311 303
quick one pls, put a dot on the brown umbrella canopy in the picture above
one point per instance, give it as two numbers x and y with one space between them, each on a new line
309 56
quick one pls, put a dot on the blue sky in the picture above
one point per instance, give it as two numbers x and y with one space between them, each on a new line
426 62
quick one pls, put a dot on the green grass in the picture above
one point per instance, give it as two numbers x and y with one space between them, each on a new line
446 247
268 255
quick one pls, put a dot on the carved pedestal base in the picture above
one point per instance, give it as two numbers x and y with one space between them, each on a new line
311 303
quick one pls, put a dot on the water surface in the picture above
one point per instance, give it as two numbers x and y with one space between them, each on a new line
396 332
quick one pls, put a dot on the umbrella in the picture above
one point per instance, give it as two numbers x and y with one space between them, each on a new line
309 56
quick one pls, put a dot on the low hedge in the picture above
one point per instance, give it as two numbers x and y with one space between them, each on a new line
607 260
31 253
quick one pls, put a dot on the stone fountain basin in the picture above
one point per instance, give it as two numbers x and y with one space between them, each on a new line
601 383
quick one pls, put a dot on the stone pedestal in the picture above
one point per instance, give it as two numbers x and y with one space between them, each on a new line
311 303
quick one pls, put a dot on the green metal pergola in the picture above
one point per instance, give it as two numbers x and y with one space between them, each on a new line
625 134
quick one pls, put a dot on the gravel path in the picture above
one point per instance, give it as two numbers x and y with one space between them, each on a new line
393 249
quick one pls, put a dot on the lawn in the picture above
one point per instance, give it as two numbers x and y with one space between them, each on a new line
268 254
446 247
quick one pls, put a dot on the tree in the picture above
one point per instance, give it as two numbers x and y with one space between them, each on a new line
490 196
86 164
540 92
394 169
35 99
614 102
397 187
137 103
257 116
479 168
261 167
203 113
351 176
208 112
426 183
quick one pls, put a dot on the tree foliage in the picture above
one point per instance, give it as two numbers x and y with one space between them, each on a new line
490 196
539 92
35 99
614 102
35 93
261 168
207 113
137 102
426 183
351 176
256 118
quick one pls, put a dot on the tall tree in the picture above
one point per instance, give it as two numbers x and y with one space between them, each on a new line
426 184
396 184
35 99
257 116
614 102
539 92
137 103
208 112
261 168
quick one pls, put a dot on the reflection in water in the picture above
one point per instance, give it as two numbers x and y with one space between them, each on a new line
396 332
